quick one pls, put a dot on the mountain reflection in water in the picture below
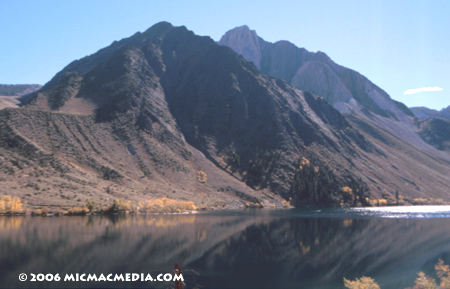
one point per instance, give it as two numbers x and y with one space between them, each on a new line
228 249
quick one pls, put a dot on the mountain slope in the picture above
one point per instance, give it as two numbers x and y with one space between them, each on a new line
161 83
345 89
10 93
424 112
436 131
143 117
379 118
18 89
434 126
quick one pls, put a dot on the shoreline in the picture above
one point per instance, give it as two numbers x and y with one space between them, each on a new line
208 209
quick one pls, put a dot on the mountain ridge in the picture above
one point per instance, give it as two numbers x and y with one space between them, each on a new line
10 94
189 124
284 60
144 116
347 90
18 89
424 112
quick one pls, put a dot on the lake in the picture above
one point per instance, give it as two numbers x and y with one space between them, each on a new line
254 248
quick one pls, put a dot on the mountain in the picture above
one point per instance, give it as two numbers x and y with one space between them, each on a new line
179 104
434 126
18 89
10 93
167 113
424 112
436 131
366 106
346 89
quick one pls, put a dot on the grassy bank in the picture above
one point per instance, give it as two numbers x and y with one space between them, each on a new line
13 206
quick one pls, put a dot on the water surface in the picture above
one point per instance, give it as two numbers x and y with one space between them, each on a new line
231 249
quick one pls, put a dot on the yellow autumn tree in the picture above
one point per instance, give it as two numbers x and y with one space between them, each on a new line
361 283
425 282
347 190
422 281
443 272
201 176
10 205
304 162
165 205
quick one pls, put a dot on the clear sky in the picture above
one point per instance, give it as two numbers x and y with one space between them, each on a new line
400 45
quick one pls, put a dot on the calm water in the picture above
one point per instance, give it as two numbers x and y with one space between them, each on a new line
231 249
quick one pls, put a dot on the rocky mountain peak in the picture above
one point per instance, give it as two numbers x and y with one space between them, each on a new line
347 90
160 27
245 42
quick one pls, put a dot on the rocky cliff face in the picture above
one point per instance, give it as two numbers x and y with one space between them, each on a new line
143 117
245 42
345 89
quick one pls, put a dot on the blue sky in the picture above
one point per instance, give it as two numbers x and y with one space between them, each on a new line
399 45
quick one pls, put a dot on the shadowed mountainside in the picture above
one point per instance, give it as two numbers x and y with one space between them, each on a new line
436 131
345 89
177 104
379 118
434 126
144 116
